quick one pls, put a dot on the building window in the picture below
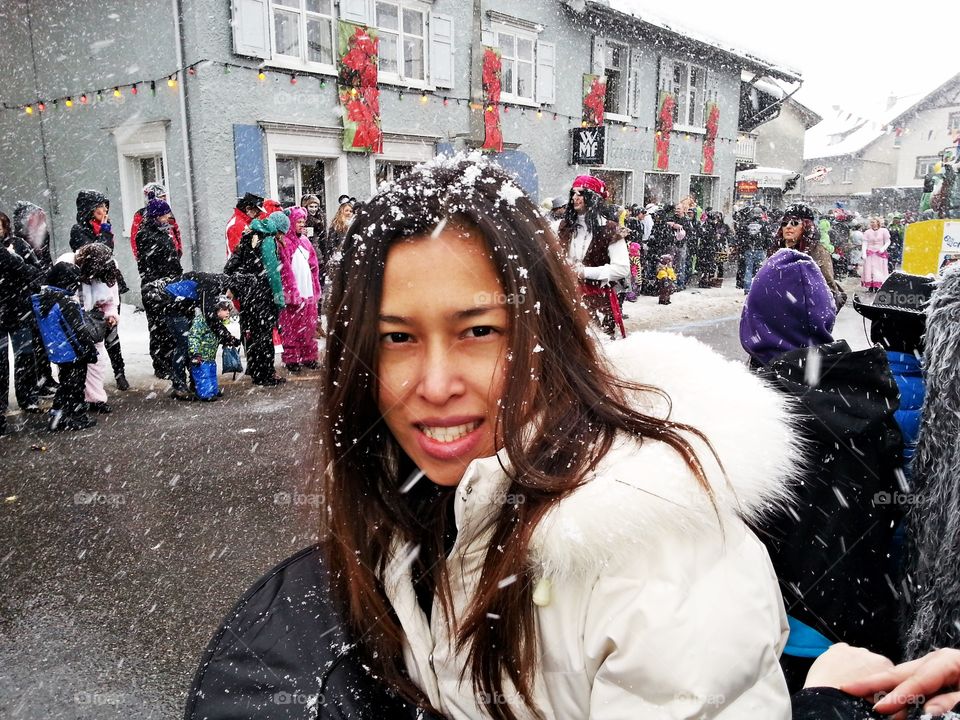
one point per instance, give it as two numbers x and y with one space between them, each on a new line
297 177
616 71
403 32
660 188
517 61
141 152
953 122
847 175
689 83
303 30
925 166
388 171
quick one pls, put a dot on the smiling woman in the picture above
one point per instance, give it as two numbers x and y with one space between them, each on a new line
517 524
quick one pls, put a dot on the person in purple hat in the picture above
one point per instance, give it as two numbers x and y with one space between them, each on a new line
157 257
830 551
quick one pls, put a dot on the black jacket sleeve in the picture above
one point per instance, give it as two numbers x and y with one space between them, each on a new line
831 704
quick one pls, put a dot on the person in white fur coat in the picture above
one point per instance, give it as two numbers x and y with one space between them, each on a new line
100 297
516 525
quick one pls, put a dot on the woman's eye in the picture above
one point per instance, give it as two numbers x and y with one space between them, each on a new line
481 331
395 338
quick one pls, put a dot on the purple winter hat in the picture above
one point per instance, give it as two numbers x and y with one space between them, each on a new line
157 208
789 307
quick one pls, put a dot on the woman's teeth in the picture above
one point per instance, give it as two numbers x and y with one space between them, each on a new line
449 434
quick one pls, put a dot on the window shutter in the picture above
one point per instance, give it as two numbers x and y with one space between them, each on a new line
546 72
355 11
703 86
665 80
441 50
634 88
251 28
599 56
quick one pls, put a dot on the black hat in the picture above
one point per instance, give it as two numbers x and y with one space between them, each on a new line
250 200
64 275
345 199
901 294
799 211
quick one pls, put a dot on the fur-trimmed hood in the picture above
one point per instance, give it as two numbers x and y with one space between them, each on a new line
641 494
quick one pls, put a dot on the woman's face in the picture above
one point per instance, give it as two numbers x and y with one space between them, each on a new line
579 202
443 345
100 213
313 208
300 225
792 229
348 212
874 224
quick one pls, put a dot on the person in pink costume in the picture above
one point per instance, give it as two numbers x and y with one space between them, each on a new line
300 275
876 240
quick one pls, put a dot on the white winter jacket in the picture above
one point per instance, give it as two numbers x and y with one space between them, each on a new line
648 608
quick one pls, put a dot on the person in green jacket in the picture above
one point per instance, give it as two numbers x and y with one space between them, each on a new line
824 227
203 343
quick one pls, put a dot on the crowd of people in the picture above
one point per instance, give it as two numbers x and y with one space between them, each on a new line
66 310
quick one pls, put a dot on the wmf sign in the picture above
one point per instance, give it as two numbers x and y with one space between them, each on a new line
589 145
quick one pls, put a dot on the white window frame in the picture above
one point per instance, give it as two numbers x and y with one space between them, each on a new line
847 176
953 122
301 62
714 200
676 184
403 148
682 93
625 80
630 186
398 78
133 143
519 33
929 161
320 143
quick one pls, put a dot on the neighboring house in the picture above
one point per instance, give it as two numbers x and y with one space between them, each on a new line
876 166
770 155
258 110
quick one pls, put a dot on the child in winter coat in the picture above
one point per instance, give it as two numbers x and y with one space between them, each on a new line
635 251
203 344
70 339
666 278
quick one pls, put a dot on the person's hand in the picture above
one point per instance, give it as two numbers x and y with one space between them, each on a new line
935 676
105 226
111 321
842 664
197 360
578 270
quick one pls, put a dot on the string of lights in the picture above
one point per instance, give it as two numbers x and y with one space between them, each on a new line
263 74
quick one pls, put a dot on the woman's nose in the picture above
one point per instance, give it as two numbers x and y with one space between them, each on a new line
441 377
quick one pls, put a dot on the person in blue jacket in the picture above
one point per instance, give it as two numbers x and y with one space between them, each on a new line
897 324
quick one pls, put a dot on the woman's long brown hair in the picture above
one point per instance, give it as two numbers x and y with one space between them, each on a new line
578 404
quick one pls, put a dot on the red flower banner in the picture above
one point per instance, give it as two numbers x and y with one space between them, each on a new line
661 150
357 88
594 97
492 134
710 141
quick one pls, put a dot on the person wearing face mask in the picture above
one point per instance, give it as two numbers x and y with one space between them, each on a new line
154 191
157 258
316 226
596 250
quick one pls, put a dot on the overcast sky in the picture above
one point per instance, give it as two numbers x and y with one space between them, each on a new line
850 54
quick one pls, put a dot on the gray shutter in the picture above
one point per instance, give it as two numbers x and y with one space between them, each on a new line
251 28
355 11
634 87
665 79
546 72
599 60
441 50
